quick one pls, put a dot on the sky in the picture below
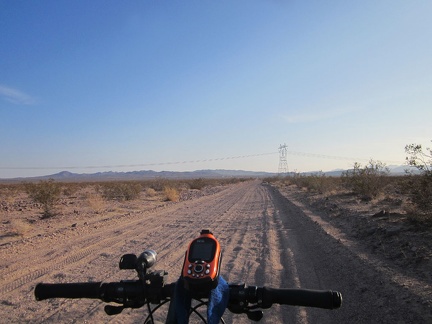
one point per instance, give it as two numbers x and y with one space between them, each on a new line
91 86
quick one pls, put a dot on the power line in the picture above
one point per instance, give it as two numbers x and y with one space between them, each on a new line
285 152
333 157
132 165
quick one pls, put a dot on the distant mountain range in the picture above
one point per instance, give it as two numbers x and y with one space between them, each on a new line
149 174
145 175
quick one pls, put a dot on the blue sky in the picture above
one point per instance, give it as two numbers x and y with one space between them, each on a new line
91 86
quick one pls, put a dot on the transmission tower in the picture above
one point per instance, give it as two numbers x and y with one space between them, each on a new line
283 165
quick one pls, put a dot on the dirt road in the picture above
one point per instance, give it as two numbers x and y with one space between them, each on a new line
266 240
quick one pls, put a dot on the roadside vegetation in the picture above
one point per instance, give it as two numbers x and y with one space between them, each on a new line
412 192
370 183
122 190
50 196
46 193
390 216
419 187
28 208
373 183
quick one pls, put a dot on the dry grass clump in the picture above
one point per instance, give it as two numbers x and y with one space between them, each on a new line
150 192
96 203
171 193
20 227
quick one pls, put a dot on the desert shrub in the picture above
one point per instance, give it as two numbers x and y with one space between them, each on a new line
419 157
235 180
420 190
315 182
21 227
10 192
120 190
213 182
271 179
319 182
159 184
95 202
297 179
70 189
171 193
367 181
419 187
197 183
46 193
151 192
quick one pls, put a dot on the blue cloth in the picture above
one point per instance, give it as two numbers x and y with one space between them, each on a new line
217 303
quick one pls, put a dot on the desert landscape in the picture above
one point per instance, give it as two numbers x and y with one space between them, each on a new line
272 232
297 132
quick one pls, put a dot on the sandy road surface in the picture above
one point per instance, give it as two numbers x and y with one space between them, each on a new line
266 239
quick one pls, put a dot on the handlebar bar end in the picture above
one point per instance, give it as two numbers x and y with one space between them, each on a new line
37 293
337 299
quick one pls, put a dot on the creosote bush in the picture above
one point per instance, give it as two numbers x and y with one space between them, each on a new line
420 186
197 183
367 181
9 192
159 184
120 190
317 182
419 157
46 193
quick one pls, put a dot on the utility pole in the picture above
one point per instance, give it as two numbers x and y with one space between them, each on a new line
283 165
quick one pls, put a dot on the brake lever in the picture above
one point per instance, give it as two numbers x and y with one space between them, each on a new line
255 316
113 310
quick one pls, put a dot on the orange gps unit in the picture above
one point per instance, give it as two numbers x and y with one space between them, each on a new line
201 264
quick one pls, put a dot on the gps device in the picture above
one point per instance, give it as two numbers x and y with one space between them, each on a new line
201 264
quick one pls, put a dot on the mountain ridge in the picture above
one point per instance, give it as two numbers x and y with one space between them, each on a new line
207 173
143 175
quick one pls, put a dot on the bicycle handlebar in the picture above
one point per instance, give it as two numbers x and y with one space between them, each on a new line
151 288
133 292
68 290
301 297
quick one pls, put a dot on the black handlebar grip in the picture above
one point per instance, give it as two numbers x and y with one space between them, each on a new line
301 297
68 290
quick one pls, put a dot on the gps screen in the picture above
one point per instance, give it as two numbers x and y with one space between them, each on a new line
202 251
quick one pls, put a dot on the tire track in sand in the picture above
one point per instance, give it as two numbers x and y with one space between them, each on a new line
239 216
